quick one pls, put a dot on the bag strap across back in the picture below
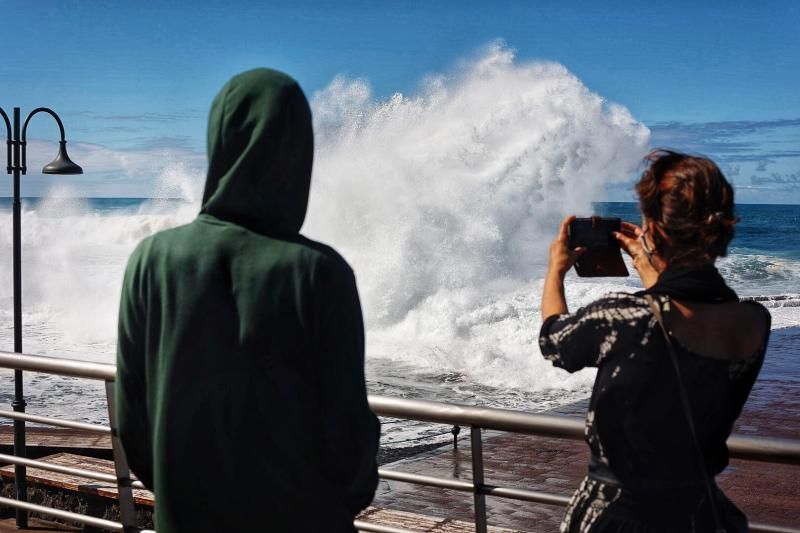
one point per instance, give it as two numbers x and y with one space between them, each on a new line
656 309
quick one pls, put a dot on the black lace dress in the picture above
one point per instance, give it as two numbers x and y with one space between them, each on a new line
643 475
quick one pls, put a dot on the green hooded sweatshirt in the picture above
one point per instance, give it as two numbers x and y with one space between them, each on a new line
240 394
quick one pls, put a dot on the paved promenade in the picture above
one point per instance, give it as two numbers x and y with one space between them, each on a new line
767 493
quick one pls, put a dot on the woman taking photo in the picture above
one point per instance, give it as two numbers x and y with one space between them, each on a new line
664 400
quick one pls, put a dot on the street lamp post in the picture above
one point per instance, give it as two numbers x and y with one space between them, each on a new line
16 158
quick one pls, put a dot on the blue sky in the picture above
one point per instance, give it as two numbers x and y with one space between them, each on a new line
135 80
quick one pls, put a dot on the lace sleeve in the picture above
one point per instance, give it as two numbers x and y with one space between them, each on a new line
584 338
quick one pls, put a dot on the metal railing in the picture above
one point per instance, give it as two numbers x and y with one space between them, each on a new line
122 478
770 450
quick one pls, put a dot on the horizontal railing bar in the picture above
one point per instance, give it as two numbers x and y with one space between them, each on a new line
64 515
62 367
767 449
773 450
52 467
483 417
96 428
407 477
521 494
465 486
375 528
526 495
763 528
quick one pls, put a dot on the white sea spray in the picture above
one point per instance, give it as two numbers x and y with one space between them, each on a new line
445 201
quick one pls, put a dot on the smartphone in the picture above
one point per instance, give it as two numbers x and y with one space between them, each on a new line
603 256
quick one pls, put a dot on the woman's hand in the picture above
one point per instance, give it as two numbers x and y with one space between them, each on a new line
561 257
561 260
631 239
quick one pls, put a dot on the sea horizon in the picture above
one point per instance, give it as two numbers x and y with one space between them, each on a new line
179 199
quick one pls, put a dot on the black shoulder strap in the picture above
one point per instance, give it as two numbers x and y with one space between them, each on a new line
656 309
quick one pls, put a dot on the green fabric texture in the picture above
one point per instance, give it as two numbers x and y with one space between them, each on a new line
240 394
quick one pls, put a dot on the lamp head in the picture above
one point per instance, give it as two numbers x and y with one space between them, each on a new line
62 164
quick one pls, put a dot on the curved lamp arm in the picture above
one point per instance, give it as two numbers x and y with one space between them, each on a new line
25 131
42 110
8 140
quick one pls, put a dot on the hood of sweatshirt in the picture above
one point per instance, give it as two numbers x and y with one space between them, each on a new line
260 153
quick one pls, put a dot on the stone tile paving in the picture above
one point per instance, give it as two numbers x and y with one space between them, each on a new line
767 493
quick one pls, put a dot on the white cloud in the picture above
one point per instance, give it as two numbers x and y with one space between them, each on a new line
110 172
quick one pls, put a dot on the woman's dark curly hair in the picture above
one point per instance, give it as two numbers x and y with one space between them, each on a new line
691 205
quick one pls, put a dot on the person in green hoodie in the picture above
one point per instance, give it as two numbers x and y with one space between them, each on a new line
240 396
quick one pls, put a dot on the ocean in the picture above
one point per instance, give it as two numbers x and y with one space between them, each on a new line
461 326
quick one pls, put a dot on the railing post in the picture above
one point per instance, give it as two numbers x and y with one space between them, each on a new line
477 479
127 509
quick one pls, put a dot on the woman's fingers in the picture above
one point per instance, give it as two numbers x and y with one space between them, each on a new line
561 257
632 230
631 245
563 230
576 253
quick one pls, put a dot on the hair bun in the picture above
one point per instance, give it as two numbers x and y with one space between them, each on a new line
691 202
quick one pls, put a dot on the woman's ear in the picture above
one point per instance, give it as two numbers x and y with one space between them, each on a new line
648 226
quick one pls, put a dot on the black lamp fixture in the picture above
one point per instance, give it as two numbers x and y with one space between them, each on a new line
62 164
16 165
